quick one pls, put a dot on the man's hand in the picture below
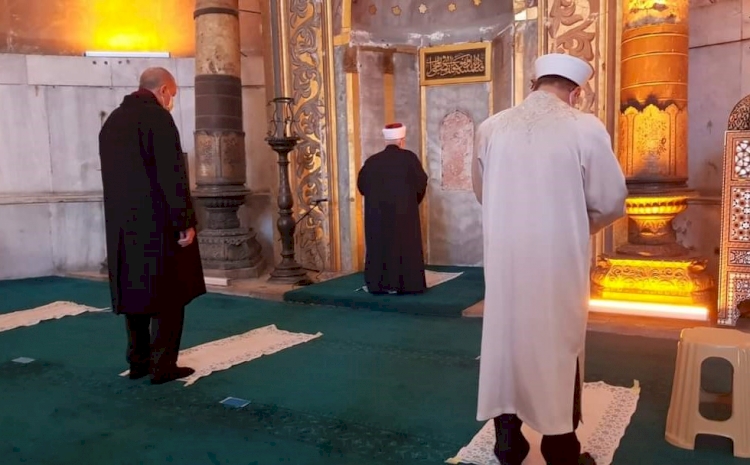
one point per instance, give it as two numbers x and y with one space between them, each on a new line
187 237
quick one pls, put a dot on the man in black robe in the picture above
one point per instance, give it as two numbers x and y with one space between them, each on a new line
393 184
153 259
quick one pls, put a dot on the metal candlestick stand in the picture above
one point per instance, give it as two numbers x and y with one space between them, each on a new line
282 141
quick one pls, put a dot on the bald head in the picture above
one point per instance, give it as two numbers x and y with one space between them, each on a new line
161 83
153 78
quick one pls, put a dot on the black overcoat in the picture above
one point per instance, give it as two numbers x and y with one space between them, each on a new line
393 184
146 204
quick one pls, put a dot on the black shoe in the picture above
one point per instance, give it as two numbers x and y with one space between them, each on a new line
171 375
516 455
138 371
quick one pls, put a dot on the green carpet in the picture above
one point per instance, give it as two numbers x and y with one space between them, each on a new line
448 299
377 388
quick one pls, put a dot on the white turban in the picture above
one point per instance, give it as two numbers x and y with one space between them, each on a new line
394 131
560 64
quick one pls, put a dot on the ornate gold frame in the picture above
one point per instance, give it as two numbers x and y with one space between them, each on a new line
469 47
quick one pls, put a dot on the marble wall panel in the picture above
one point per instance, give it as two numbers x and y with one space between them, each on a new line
68 71
502 70
253 71
25 241
24 140
185 72
716 22
78 239
127 71
346 197
406 98
455 227
75 117
13 69
371 101
709 106
698 229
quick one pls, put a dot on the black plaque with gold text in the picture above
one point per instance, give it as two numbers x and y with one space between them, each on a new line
455 64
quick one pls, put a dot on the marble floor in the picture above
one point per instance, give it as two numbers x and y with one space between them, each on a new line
600 322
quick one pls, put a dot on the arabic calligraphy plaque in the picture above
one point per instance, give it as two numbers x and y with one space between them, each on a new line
455 64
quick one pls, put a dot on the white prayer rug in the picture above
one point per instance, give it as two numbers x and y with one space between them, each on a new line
224 353
432 278
53 311
435 278
606 409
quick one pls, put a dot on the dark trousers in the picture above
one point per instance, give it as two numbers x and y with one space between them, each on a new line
563 449
154 340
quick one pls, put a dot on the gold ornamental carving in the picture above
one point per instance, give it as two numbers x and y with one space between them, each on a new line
305 36
577 28
653 142
682 282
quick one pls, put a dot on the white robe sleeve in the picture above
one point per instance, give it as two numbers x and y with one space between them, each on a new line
477 166
603 181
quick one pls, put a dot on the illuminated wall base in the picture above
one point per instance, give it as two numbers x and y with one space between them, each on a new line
666 288
652 310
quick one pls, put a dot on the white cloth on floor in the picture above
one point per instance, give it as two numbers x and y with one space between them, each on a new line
53 311
225 353
608 413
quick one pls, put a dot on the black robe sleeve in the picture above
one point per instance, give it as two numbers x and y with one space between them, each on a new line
362 180
171 173
420 178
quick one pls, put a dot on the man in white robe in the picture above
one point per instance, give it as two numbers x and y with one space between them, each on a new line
547 180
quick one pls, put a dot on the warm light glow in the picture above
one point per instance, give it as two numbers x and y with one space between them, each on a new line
127 54
141 26
683 312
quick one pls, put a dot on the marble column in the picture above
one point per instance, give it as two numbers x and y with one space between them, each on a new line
228 249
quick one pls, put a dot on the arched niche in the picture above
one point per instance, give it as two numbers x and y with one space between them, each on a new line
456 147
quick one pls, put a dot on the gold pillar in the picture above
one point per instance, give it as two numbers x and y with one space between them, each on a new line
652 146
228 249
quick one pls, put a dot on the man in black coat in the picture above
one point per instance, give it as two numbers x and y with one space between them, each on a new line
153 258
393 184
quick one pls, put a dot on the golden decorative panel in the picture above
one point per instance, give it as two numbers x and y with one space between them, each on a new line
455 64
734 258
678 281
306 39
653 141
581 28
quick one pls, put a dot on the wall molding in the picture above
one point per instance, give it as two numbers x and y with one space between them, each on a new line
50 197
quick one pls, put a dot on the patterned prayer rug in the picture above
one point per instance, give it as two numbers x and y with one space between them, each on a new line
35 316
224 353
607 411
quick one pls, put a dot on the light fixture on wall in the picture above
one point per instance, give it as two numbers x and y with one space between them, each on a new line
112 54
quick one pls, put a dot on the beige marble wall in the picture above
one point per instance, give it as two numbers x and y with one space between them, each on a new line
51 109
719 76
